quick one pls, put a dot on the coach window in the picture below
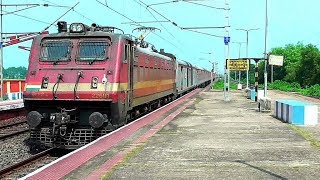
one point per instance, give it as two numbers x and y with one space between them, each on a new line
91 51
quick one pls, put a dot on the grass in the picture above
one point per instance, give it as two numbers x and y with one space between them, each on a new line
219 85
306 135
313 91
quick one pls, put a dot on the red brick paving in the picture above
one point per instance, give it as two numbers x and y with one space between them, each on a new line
108 165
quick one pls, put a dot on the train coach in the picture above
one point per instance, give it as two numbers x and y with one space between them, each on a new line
189 77
84 82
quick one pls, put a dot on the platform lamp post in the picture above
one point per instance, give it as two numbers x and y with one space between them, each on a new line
212 63
239 43
212 70
265 51
247 48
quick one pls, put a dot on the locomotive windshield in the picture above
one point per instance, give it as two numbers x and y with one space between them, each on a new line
92 51
55 51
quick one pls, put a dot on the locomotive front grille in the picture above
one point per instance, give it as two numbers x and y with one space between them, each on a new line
72 140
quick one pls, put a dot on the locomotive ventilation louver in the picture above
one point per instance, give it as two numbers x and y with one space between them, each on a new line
34 119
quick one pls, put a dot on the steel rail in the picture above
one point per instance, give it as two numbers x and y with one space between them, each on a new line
14 124
24 162
13 134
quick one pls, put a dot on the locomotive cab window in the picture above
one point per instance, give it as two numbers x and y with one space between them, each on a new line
93 51
55 51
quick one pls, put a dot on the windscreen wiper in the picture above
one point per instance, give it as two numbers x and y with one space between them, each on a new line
55 62
92 61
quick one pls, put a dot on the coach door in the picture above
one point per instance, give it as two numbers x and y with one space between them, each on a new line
129 50
130 78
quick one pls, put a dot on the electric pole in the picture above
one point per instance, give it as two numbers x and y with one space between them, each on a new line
265 52
226 42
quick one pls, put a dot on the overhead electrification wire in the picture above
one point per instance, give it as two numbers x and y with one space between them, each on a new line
106 5
61 16
28 18
205 33
187 1
212 7
135 22
57 5
161 25
182 28
175 24
84 16
143 22
21 9
163 3
158 20
208 27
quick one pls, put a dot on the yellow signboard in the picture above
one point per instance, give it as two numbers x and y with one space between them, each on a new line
238 64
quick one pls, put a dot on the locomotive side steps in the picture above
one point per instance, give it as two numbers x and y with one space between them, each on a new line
137 131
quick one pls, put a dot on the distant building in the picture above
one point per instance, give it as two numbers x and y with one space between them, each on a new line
13 88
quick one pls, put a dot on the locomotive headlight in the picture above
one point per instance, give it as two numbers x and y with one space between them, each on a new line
34 119
45 81
94 82
77 28
96 119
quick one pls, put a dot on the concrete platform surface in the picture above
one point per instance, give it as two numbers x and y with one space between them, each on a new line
11 104
214 139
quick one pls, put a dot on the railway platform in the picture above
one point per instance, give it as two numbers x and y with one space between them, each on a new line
203 137
11 104
11 108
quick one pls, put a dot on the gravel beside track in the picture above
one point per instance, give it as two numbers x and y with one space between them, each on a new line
12 120
26 169
13 150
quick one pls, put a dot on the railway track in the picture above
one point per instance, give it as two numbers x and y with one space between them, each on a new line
7 114
14 124
6 132
25 162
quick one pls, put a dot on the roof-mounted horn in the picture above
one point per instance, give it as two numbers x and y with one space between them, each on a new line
62 26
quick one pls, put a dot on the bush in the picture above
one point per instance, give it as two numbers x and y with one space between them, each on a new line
285 86
312 91
295 87
219 85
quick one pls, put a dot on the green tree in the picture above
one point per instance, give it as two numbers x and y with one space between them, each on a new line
308 70
15 73
292 58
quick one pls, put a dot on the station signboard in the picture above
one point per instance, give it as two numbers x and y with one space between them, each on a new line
275 60
238 64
